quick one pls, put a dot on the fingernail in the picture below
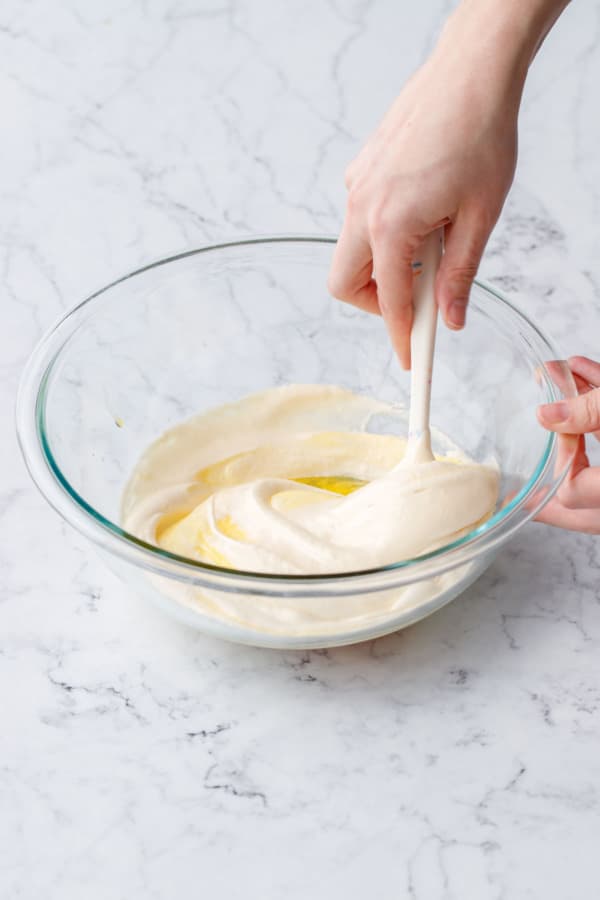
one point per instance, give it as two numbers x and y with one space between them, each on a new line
457 312
554 413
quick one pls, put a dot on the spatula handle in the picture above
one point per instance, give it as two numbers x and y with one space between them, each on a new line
422 344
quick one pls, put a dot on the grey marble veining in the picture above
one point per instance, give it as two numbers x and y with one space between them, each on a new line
458 759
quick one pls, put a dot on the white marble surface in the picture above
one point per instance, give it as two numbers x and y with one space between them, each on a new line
138 759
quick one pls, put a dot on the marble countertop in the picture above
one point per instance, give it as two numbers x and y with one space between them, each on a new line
458 759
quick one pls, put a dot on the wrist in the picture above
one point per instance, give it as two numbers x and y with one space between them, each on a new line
500 36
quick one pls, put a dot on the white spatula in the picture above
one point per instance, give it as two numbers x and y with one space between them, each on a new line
422 344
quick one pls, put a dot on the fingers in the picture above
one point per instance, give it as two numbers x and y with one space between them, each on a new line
570 449
559 372
581 487
576 506
350 276
586 369
464 245
389 257
586 373
582 386
554 513
394 277
578 415
583 491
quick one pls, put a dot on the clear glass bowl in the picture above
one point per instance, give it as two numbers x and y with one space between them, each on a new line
208 327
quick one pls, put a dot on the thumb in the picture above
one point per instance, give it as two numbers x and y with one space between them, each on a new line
465 242
579 415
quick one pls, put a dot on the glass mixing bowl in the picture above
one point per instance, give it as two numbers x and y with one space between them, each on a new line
208 327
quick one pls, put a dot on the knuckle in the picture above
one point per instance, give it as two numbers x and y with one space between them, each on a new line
591 409
354 202
380 222
463 273
460 278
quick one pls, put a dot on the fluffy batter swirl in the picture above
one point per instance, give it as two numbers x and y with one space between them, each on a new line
290 481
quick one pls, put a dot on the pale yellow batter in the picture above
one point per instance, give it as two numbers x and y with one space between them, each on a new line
289 481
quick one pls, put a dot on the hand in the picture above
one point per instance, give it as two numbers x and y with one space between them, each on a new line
444 155
576 505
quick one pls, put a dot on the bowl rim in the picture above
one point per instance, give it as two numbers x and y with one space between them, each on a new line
55 487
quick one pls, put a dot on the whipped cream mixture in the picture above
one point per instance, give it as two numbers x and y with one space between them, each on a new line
295 480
